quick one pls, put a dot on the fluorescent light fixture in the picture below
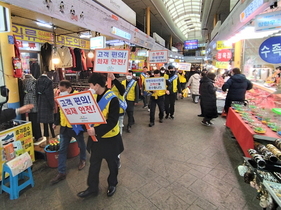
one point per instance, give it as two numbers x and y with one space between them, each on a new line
189 24
47 25
87 35
189 19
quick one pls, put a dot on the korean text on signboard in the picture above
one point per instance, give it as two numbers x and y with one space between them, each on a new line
223 65
224 55
250 9
224 45
115 61
270 50
158 56
184 66
268 21
155 83
80 108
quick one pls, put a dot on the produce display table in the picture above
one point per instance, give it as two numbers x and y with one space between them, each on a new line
244 134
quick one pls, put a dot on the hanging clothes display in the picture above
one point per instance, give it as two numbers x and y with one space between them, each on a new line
54 76
45 102
21 95
73 57
78 58
46 54
90 62
65 57
29 86
34 69
83 59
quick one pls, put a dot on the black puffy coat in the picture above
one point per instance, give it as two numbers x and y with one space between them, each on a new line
237 86
208 98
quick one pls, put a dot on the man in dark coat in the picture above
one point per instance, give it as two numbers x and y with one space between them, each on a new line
237 85
109 144
208 98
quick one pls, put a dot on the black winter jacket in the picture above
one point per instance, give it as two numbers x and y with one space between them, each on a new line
237 86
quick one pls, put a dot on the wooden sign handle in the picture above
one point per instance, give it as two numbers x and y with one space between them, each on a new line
93 137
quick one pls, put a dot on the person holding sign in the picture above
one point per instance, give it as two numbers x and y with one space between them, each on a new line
109 144
68 131
131 96
170 99
158 97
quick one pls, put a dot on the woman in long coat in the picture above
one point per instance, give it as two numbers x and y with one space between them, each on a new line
208 98
193 84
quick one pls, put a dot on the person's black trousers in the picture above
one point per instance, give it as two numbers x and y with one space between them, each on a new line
170 103
36 129
130 112
46 130
160 101
94 170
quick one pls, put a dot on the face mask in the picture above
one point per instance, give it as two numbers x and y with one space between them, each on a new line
93 91
129 77
63 93
162 72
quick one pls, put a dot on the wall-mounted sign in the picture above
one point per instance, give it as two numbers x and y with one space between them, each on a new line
121 33
97 42
270 50
115 61
30 46
224 55
222 65
250 9
223 45
4 19
158 39
158 56
142 53
268 21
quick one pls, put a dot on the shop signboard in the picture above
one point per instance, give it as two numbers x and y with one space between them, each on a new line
223 45
97 42
158 56
250 9
222 65
30 46
268 21
114 61
19 135
270 50
81 108
184 66
155 83
118 32
224 55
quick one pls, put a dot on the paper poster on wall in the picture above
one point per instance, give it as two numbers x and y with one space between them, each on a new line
114 61
184 66
81 108
158 56
155 83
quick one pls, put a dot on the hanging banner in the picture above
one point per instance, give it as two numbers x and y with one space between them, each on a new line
224 55
184 66
158 56
222 65
114 61
270 50
155 83
223 45
81 108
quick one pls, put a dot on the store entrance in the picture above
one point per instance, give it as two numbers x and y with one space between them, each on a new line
30 63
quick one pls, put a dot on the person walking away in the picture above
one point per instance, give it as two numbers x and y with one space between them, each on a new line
66 134
158 97
170 99
182 79
208 98
131 96
109 142
237 85
193 84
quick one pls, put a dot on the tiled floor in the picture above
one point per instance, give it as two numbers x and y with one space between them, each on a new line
179 164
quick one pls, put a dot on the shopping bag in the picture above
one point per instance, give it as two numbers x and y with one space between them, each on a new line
185 92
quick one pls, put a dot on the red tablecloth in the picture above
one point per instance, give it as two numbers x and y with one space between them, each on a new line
242 131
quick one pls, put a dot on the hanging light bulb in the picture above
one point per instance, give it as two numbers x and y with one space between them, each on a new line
90 54
56 58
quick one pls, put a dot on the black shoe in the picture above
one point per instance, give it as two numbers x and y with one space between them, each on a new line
86 193
111 190
129 129
161 120
172 116
200 115
58 178
150 124
167 116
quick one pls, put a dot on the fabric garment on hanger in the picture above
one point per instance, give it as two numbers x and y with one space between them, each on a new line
65 57
46 54
34 69
73 57
78 58
83 59
45 99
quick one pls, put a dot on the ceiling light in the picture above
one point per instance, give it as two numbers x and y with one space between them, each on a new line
47 25
189 19
87 34
189 24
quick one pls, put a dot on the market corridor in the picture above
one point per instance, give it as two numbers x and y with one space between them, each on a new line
179 164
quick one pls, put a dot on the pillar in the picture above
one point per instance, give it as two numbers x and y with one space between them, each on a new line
7 52
171 42
238 52
148 21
